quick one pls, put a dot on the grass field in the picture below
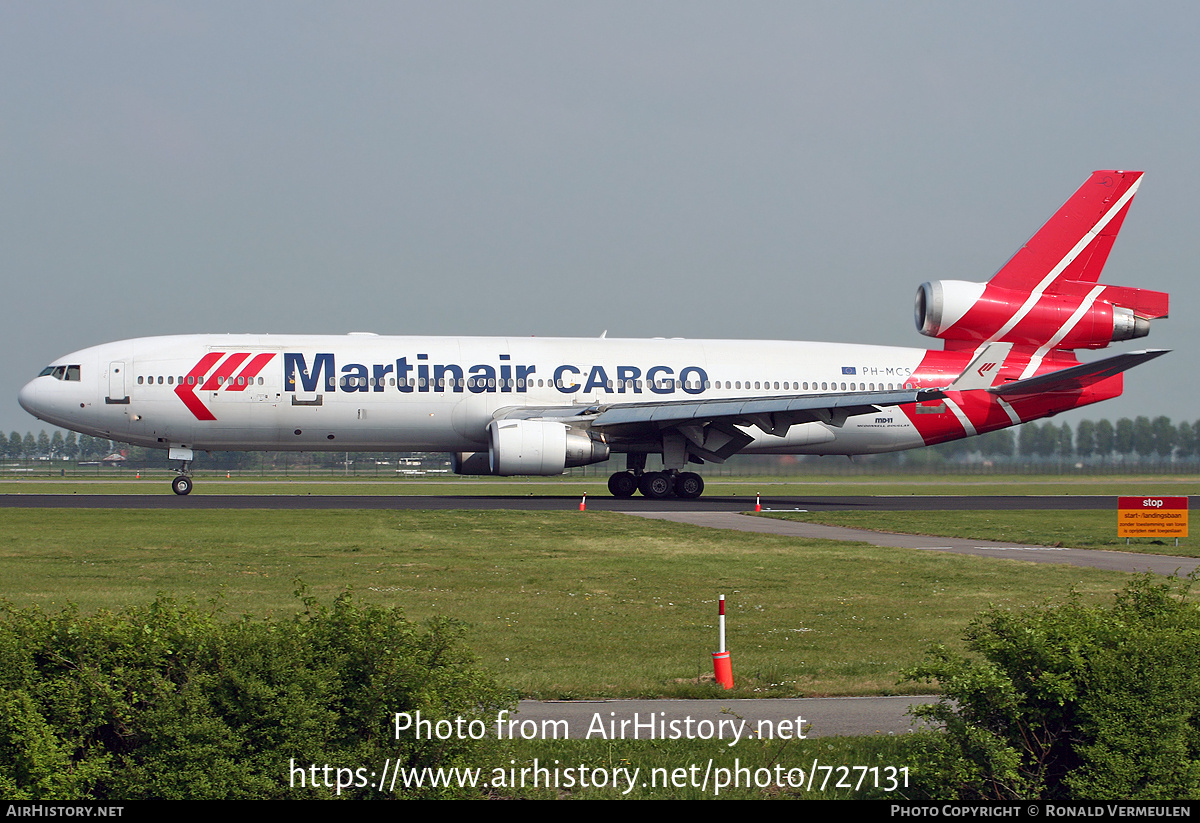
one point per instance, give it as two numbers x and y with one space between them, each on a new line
560 604
564 604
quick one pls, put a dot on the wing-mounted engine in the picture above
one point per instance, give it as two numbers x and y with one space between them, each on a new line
532 447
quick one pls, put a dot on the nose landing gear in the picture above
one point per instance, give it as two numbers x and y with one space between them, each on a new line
182 484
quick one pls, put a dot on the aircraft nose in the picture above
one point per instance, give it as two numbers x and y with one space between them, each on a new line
28 398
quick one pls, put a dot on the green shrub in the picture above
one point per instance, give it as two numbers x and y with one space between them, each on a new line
168 701
1070 702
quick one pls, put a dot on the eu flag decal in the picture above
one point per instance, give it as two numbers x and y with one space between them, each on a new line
848 370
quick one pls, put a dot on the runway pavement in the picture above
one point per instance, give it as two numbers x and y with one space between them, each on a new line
543 502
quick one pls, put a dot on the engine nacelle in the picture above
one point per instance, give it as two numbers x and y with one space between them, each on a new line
537 447
470 463
942 303
958 310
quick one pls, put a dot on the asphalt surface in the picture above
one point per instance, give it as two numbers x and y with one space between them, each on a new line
531 502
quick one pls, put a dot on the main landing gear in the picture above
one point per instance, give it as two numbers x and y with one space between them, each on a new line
657 485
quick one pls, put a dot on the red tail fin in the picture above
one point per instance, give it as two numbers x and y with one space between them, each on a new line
1075 242
1048 296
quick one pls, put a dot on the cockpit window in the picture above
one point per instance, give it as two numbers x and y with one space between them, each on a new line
61 372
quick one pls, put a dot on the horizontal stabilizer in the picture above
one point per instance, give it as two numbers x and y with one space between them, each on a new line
1076 377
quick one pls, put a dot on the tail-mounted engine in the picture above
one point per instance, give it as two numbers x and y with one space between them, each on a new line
1076 316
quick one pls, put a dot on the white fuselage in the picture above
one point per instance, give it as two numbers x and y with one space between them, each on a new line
396 393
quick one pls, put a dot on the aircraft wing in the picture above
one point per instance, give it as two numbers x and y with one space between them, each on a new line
825 408
779 411
709 425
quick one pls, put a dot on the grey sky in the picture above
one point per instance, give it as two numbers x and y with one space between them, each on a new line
782 170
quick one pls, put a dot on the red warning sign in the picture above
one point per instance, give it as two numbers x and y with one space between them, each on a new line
1152 517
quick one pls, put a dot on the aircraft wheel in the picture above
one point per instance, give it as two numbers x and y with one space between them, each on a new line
656 485
182 485
622 484
689 485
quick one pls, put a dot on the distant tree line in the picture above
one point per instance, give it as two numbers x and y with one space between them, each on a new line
1140 439
56 446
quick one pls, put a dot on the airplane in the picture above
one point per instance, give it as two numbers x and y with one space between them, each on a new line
537 406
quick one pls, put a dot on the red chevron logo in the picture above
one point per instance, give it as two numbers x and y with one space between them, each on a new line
222 379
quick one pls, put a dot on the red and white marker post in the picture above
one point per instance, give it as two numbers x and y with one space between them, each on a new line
583 503
757 502
722 664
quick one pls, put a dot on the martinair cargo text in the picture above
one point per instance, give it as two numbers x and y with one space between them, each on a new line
536 406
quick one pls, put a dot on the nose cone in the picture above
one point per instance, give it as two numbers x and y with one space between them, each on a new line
28 398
